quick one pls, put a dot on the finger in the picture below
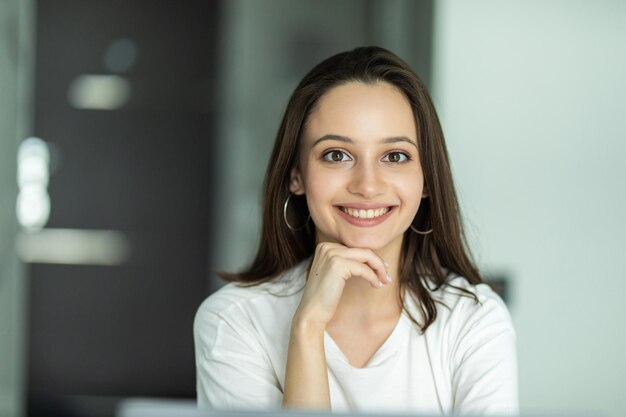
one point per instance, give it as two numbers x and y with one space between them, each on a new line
364 271
366 256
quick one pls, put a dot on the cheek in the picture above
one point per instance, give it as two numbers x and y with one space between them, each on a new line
320 182
410 190
319 189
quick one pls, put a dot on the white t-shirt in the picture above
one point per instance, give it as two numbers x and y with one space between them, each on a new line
465 362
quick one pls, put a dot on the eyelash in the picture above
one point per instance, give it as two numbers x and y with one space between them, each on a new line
326 156
406 156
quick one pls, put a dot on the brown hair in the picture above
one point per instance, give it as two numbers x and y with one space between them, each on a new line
436 257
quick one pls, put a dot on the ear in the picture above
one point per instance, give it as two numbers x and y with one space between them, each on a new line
425 193
296 184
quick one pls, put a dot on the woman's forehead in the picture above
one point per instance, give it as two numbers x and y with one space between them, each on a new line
359 110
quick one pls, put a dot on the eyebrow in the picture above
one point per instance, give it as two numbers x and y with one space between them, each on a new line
392 139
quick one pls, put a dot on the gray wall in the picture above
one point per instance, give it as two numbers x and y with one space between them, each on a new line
532 96
15 78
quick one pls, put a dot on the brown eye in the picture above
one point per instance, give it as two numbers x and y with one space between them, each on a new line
397 157
336 156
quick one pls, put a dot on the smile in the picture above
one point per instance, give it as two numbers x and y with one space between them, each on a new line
365 217
365 214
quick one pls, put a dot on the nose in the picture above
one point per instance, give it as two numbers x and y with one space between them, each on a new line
367 180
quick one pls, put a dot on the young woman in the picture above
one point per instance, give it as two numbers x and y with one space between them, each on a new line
362 295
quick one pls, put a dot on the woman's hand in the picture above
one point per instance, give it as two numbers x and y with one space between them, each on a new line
306 378
334 264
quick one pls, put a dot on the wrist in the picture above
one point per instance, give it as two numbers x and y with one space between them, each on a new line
302 325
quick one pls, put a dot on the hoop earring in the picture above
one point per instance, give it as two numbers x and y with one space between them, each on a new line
294 229
420 232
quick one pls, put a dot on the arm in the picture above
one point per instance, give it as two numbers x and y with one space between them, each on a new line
306 378
306 375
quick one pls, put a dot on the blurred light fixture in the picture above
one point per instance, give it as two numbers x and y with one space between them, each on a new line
73 247
33 207
121 55
33 202
99 92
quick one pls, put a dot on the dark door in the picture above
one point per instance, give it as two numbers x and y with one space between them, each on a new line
143 169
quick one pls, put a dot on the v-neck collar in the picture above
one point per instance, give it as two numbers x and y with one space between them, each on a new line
387 350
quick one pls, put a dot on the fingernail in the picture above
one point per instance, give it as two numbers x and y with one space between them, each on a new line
388 278
380 284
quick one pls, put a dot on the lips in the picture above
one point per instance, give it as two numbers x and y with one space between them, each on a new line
364 216
365 213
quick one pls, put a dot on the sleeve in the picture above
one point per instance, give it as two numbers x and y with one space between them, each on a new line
232 371
484 359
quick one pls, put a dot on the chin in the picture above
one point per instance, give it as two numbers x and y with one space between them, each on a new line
366 242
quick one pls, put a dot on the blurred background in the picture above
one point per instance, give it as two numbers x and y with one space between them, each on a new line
134 138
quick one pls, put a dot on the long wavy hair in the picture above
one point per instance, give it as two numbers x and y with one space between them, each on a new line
427 262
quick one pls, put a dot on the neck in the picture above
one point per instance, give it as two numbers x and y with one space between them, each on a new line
360 299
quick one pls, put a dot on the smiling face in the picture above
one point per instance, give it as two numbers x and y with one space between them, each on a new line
359 166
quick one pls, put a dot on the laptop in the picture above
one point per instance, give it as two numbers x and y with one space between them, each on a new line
187 408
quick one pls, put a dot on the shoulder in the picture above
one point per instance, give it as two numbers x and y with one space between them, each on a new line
461 293
234 296
464 307
242 309
465 301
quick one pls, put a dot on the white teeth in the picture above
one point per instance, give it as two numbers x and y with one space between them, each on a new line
365 214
